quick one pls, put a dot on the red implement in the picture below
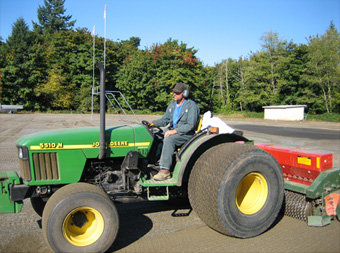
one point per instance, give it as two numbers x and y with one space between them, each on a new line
301 166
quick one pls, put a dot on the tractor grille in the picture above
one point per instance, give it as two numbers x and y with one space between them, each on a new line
45 166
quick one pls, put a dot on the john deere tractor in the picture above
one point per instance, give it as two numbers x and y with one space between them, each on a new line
74 176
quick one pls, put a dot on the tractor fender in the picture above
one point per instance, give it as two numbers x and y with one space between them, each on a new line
191 151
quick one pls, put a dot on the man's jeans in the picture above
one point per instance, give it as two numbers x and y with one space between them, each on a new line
170 144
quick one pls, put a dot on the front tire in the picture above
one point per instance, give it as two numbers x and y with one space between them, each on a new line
236 189
80 218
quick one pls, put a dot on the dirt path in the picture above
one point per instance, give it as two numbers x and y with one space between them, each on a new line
150 226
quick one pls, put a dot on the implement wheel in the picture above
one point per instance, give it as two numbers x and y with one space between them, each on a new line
236 189
80 218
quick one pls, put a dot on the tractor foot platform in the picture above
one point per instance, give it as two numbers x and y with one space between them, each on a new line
153 183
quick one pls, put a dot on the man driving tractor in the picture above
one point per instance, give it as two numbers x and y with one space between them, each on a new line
182 116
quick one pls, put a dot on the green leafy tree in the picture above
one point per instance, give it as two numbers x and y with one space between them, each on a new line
221 84
147 77
272 45
261 78
51 17
78 66
16 85
56 90
38 70
258 87
240 70
117 53
68 56
2 62
51 68
133 80
324 68
293 90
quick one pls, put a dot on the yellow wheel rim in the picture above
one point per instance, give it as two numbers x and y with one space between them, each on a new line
252 193
83 226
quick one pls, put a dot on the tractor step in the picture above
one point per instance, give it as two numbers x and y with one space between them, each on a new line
159 196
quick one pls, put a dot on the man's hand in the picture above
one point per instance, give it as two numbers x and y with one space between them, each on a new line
170 132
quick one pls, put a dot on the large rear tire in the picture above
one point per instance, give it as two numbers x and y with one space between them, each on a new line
80 218
236 189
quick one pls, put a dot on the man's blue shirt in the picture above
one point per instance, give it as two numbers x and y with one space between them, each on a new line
177 112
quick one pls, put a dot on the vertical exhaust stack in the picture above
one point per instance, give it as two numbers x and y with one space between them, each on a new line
102 111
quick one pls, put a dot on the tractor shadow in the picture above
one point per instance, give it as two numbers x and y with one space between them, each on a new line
134 223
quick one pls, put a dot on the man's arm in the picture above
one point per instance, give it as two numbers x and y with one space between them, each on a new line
165 120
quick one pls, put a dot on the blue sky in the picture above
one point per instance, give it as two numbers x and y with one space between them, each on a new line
218 29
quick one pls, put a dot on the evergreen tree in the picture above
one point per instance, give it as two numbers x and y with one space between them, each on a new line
19 38
292 91
16 85
51 17
2 62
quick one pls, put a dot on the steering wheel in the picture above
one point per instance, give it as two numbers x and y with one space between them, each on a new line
151 125
147 123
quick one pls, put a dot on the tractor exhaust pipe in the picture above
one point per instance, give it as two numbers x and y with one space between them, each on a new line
102 111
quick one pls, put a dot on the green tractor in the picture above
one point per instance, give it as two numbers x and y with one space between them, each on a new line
74 176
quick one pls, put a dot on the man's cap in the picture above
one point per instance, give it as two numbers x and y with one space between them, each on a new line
180 87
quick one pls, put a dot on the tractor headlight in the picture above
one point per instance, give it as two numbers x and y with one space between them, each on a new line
20 153
24 163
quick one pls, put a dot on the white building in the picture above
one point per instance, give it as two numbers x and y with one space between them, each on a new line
284 112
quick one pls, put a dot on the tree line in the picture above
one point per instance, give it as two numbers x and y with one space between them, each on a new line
51 68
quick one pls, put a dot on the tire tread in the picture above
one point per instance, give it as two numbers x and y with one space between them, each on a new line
205 179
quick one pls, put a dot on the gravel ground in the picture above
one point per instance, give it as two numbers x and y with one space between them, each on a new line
149 226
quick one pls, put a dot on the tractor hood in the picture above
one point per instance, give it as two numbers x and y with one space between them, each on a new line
87 139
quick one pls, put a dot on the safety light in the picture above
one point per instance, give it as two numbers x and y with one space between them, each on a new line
214 130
